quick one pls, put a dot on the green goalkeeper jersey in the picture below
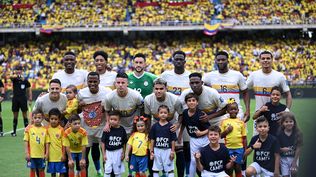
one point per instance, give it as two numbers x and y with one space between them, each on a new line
143 84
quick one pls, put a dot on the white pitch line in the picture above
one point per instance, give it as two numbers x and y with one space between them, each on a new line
6 133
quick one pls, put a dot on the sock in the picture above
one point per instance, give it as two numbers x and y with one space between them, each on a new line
42 173
156 174
71 174
15 124
32 173
1 126
97 165
238 174
83 173
26 122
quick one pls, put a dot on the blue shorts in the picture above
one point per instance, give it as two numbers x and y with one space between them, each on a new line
76 157
56 167
36 163
139 163
239 153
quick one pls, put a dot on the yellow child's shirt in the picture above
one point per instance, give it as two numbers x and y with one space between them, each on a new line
139 142
37 138
75 141
234 139
56 146
72 107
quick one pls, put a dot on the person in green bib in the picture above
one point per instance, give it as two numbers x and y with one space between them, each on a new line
139 79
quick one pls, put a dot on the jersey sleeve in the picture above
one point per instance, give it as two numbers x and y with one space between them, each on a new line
84 140
73 106
26 135
178 107
222 125
37 105
219 100
244 130
130 140
47 137
152 134
104 136
65 140
146 106
242 82
276 146
283 83
252 141
206 80
107 103
124 136
249 81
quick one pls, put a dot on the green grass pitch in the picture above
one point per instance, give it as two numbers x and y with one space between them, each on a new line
12 163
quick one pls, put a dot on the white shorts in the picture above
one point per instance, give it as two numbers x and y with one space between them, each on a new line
162 160
197 143
114 162
206 173
93 139
261 171
285 164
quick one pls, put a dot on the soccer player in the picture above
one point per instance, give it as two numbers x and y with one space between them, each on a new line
2 94
91 100
21 87
75 140
210 101
215 159
125 100
53 99
229 83
162 146
196 129
107 78
71 75
139 79
113 146
266 154
36 145
57 154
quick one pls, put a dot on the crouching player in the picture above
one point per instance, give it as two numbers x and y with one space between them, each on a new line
215 157
75 140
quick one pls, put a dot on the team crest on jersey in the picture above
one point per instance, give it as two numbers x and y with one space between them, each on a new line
92 114
131 82
57 135
146 83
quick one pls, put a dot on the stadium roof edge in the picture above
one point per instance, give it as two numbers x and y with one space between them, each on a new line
159 28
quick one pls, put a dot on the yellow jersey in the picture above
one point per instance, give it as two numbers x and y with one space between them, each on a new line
139 142
75 140
37 138
56 146
234 139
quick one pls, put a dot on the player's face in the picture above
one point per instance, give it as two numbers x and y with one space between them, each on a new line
54 90
93 83
266 61
114 121
288 124
100 63
69 62
75 125
178 61
192 103
263 128
121 84
232 110
37 119
275 96
160 90
222 62
196 84
140 126
163 113
213 137
139 64
70 94
54 120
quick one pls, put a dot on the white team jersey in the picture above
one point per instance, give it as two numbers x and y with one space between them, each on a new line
176 83
209 101
78 78
262 84
151 105
107 79
127 106
92 117
227 84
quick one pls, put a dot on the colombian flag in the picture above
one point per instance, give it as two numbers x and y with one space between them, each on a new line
211 30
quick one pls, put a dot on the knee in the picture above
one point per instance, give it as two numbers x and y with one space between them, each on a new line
250 171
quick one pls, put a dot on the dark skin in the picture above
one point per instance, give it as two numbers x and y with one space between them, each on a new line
69 63
222 63
93 84
179 64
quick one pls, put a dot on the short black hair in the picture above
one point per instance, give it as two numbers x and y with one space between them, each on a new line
196 74
261 119
222 52
73 88
115 113
214 128
276 88
57 81
191 95
55 112
73 118
121 75
93 73
178 52
140 55
37 111
70 53
102 53
163 107
266 52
